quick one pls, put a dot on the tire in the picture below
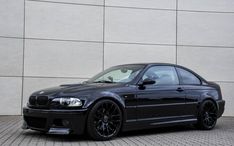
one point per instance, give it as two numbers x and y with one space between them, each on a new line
207 116
104 120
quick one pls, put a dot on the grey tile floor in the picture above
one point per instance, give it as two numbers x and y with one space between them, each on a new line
223 134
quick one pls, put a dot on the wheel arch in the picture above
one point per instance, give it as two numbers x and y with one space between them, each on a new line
208 98
115 99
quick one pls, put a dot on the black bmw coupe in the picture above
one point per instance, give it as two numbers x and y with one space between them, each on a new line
126 97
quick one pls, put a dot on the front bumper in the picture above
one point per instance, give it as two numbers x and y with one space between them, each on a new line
59 121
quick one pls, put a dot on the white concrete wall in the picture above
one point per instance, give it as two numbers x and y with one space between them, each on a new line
45 43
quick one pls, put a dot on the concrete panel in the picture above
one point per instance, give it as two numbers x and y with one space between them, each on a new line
11 57
228 96
207 5
11 18
10 89
205 29
90 2
116 54
161 4
140 26
62 58
63 21
35 84
214 64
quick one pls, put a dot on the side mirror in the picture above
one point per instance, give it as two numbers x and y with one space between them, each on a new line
148 81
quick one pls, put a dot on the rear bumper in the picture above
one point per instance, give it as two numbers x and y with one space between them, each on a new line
221 107
55 121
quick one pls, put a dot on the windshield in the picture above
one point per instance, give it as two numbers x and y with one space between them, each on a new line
118 74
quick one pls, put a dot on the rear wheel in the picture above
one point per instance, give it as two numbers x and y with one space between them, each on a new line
104 120
207 116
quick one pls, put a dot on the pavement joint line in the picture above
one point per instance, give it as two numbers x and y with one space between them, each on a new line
6 128
9 130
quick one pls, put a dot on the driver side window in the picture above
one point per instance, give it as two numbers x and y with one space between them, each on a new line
162 75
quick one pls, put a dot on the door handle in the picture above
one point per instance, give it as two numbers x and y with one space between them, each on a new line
179 89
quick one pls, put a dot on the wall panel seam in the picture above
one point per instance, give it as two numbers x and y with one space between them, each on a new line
131 7
206 46
140 8
11 37
176 32
65 40
85 78
22 86
202 11
59 77
186 45
67 3
103 34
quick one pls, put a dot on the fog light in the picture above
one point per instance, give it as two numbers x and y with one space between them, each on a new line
65 123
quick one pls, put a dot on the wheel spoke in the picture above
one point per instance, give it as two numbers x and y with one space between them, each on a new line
100 112
111 124
112 108
107 130
99 123
113 111
108 107
97 117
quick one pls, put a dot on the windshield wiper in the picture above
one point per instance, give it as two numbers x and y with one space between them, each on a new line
103 81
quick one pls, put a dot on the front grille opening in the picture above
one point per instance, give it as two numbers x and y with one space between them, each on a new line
38 101
35 122
32 100
42 100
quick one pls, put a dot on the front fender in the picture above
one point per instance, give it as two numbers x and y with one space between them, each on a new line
104 95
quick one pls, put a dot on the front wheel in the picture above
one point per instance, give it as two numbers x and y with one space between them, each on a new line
207 116
104 120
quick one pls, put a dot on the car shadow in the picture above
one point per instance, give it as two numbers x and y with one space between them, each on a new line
161 130
85 138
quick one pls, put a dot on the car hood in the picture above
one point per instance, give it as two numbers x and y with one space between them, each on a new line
74 89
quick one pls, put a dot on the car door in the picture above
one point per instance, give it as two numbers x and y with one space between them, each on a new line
163 100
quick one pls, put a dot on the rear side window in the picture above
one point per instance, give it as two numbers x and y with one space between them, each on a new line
188 77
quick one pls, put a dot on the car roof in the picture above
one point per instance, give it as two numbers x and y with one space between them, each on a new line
149 64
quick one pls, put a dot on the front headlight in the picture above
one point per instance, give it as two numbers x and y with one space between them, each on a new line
68 101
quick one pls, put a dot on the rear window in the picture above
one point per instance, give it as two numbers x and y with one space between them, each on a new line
188 77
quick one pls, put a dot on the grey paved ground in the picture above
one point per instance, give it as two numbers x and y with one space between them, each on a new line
223 134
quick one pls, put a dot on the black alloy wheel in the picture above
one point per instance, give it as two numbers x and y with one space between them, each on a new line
104 120
208 115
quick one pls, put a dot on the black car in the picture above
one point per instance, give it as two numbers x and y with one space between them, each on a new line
126 97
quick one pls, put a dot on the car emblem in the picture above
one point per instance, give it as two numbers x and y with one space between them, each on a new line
41 92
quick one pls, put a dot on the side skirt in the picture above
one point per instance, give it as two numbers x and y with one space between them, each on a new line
174 122
138 125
